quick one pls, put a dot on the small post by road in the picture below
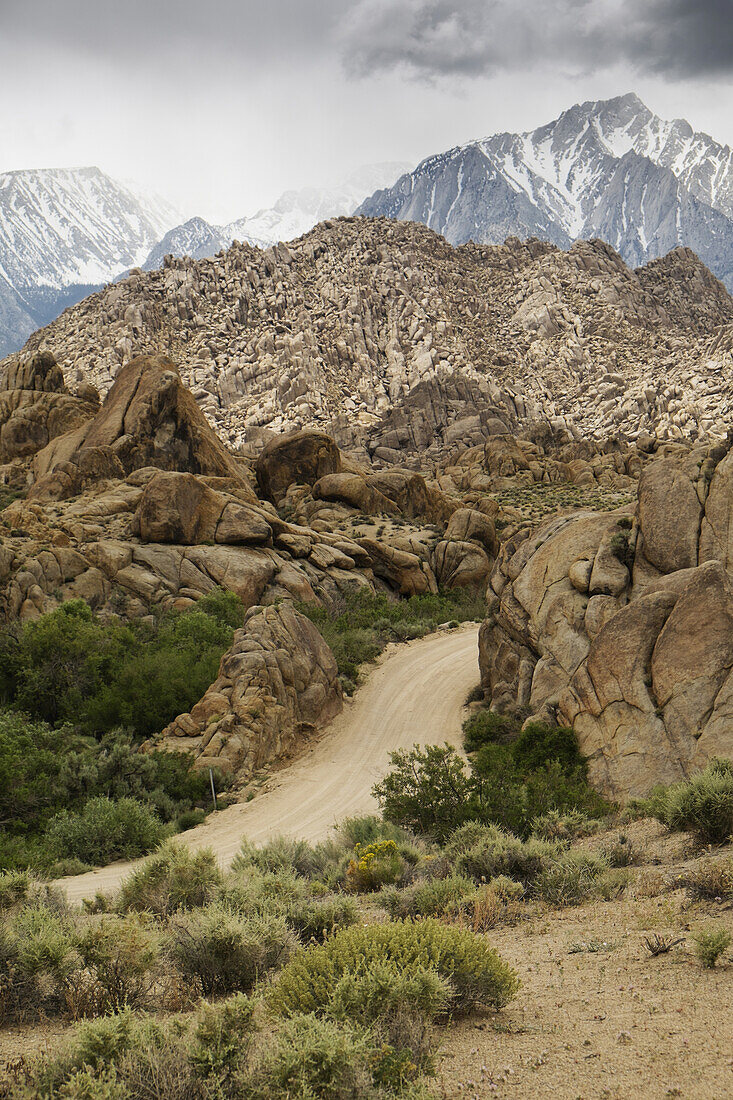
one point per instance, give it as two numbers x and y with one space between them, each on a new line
213 788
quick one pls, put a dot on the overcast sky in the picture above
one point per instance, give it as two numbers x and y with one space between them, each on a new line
220 105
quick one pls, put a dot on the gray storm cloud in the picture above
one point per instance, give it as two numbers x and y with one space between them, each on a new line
426 39
436 38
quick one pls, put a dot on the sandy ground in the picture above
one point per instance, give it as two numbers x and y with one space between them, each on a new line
414 694
596 1015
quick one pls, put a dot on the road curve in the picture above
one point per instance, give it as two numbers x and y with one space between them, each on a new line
414 695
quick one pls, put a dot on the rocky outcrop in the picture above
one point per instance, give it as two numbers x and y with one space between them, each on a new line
398 345
148 419
298 457
276 684
36 407
620 625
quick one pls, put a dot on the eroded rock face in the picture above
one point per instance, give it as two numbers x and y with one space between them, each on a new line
302 457
36 407
386 337
148 419
613 627
276 684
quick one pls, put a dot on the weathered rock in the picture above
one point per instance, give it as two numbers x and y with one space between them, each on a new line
303 457
148 419
276 683
469 525
352 489
402 571
460 564
181 508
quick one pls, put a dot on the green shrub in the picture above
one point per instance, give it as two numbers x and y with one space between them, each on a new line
225 952
710 944
571 879
432 898
263 892
85 1084
14 887
312 1057
476 974
563 825
484 851
171 879
222 1037
428 791
105 830
279 854
539 744
485 727
703 805
321 918
121 955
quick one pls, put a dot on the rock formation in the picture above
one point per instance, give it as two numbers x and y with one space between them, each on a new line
396 344
276 684
620 624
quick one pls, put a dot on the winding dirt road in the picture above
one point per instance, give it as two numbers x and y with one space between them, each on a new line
414 695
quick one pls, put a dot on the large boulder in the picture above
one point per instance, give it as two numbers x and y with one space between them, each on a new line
36 407
276 683
298 457
148 419
182 508
612 626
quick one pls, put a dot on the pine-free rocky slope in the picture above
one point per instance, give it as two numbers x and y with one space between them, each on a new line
392 340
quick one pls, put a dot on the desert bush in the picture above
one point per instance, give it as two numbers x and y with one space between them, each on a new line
317 919
711 943
703 805
496 902
14 887
711 880
621 852
475 972
373 866
225 952
432 898
105 830
263 893
485 727
172 878
558 825
538 744
222 1036
484 851
312 1057
429 791
571 878
279 854
121 955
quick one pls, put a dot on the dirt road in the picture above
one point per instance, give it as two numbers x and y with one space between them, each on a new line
415 694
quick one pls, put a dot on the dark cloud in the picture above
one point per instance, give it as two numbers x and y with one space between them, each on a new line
681 37
428 39
425 39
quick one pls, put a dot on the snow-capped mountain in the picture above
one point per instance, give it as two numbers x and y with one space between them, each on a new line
294 213
63 233
610 168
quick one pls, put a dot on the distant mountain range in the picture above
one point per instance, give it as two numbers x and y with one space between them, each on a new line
294 213
610 169
63 233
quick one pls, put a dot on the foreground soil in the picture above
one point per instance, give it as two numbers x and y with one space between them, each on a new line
597 1015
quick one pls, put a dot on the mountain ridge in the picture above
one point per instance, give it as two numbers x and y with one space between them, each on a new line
596 170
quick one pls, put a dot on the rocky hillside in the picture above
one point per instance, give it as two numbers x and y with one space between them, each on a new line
389 338
610 169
